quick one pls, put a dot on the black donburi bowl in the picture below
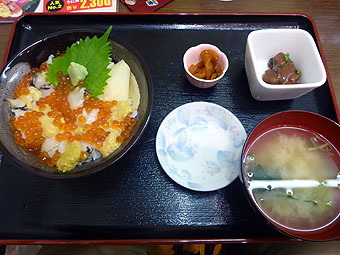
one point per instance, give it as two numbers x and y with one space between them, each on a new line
34 55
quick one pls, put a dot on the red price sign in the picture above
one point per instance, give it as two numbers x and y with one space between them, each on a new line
74 5
93 4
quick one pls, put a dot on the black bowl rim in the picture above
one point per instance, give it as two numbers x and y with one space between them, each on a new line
246 191
149 109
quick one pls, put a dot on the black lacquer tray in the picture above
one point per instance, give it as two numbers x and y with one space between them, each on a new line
134 198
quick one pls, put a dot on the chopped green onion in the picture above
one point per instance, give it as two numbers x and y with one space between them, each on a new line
325 146
287 57
298 71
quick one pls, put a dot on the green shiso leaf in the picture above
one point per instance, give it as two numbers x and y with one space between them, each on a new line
92 53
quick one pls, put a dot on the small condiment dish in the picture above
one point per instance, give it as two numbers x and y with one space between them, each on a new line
199 146
192 56
265 44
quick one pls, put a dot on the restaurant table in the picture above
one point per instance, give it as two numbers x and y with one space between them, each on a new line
325 14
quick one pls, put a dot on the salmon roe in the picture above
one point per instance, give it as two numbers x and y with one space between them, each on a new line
27 130
125 127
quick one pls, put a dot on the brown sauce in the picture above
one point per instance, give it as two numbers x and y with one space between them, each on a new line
282 70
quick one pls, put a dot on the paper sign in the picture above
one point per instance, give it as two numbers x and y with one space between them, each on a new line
11 9
74 5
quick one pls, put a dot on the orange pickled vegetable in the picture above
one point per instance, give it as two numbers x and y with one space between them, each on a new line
195 68
213 55
208 68
218 72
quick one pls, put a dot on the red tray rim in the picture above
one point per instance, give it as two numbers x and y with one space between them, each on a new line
168 241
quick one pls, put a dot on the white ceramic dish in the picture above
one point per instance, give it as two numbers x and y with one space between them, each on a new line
192 56
199 146
265 44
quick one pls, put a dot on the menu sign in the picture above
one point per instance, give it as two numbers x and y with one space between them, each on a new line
11 9
75 5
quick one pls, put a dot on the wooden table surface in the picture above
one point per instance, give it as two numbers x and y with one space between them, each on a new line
325 14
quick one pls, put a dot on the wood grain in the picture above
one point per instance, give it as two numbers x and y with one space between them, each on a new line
325 14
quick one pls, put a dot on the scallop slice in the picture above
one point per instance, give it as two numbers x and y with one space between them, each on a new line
18 106
39 80
76 98
46 90
90 117
51 145
16 103
19 112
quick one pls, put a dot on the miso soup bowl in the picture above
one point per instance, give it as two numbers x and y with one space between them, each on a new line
38 52
265 44
316 124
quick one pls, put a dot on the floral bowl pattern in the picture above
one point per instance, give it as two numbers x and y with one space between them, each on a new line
199 146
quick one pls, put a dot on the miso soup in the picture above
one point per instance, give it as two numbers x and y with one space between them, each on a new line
293 174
